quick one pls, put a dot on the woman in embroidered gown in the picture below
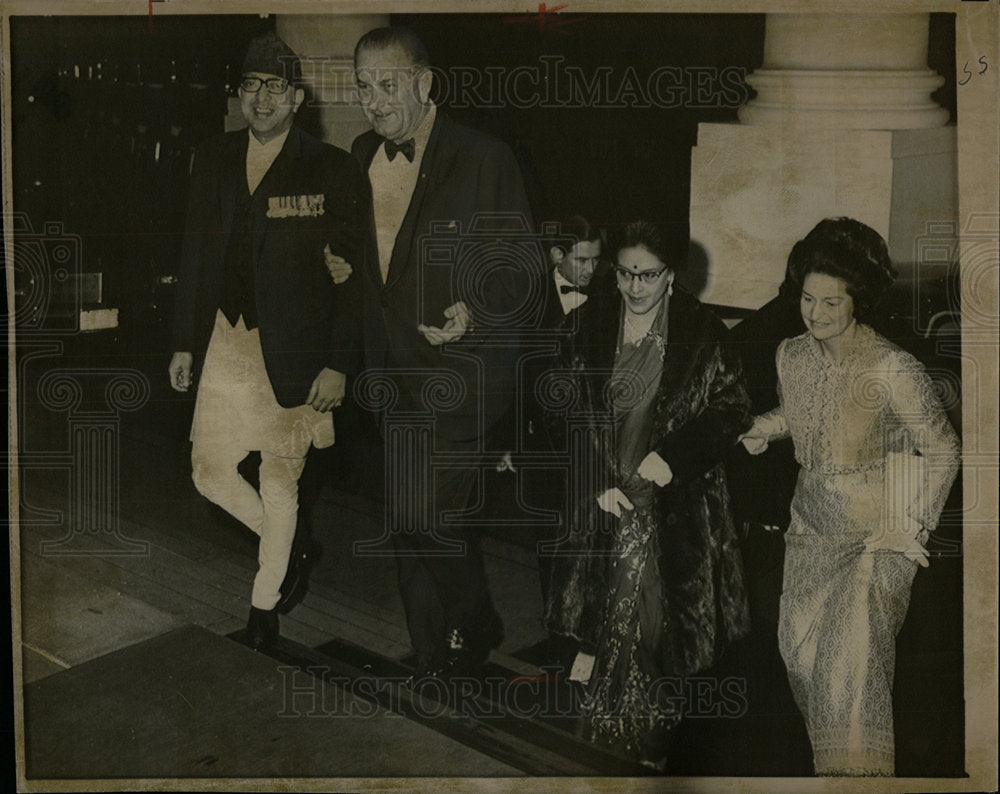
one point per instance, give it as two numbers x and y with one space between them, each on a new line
650 573
878 458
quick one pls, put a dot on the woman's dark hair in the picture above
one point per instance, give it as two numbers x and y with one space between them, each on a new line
664 243
846 249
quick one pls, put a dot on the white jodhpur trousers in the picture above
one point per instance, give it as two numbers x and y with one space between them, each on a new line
236 413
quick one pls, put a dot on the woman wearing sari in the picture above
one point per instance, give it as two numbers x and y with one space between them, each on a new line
649 574
878 458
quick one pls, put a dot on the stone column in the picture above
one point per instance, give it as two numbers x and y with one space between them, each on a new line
325 43
846 71
842 124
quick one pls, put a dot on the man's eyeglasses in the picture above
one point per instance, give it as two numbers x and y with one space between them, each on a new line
647 277
275 85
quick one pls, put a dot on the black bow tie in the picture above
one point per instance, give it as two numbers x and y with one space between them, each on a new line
407 147
564 288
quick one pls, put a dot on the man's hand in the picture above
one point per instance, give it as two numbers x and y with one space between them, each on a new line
612 501
327 390
180 371
458 323
655 468
340 269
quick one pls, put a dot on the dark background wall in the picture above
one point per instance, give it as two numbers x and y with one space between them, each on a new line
609 141
106 111
105 114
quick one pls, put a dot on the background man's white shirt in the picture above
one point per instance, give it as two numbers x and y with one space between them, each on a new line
569 300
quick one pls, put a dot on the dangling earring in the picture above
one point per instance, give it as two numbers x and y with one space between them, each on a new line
670 287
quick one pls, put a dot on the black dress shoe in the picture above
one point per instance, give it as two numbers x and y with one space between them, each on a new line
466 652
467 649
296 583
428 673
459 657
262 628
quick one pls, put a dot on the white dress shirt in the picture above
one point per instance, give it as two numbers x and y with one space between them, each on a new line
569 300
393 183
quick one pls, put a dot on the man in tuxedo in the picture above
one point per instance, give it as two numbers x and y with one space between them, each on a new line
256 309
441 192
574 256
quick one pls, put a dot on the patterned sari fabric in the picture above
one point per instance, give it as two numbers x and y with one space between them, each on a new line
622 707
659 592
842 606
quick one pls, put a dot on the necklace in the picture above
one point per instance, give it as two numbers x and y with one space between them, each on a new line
637 325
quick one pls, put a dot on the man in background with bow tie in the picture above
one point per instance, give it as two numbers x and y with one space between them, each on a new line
429 322
574 255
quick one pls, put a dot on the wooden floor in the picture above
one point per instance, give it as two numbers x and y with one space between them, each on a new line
197 567
176 566
189 703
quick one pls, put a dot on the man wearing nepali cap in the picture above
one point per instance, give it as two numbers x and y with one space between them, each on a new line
256 309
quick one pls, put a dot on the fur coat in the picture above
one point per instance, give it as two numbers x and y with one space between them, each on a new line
700 408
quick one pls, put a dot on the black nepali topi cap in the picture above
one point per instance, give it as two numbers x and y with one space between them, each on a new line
268 54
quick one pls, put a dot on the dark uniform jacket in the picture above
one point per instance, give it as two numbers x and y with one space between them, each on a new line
313 194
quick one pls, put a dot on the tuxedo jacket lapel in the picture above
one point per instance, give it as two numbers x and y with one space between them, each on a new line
364 149
552 313
371 241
